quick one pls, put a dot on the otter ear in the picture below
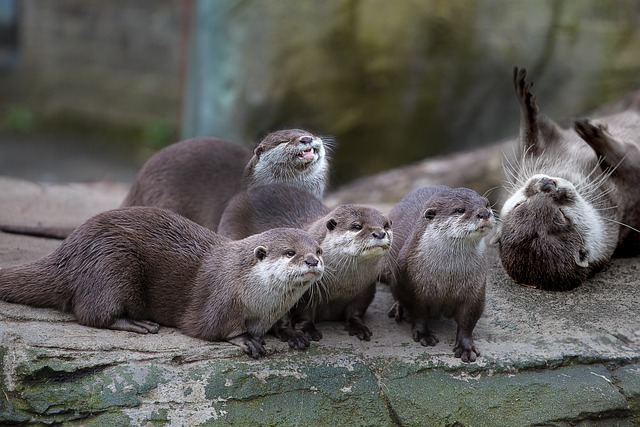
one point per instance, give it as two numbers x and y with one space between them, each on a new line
430 213
331 224
581 258
260 252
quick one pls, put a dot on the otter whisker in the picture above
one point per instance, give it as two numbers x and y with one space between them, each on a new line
623 224
488 192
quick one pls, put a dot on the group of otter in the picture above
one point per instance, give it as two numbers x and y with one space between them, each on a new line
226 244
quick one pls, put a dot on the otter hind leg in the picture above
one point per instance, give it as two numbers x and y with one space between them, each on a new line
131 325
398 312
612 152
536 131
528 112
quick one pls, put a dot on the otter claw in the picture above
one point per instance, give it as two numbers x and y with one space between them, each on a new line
310 330
251 345
356 326
467 355
296 339
426 340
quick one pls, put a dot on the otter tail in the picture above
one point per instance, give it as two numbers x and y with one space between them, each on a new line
38 231
34 284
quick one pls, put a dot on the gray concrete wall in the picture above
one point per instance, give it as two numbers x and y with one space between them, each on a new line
104 61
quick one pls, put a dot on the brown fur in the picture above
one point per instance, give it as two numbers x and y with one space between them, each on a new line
560 224
197 177
437 264
134 268
348 285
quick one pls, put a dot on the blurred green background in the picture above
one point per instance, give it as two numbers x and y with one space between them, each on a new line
392 81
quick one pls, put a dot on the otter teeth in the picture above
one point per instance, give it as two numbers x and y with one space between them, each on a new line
308 153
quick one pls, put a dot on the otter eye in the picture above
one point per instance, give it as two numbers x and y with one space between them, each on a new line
290 253
387 225
459 210
319 251
356 226
430 213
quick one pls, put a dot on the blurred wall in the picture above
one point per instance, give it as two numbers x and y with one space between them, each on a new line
397 81
111 62
393 81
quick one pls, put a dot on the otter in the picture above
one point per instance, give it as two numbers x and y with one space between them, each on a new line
354 239
197 177
437 264
135 268
569 193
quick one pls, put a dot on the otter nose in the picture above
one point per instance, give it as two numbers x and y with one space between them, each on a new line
306 140
547 185
484 214
380 234
311 261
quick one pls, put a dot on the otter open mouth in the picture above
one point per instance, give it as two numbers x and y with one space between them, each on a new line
308 154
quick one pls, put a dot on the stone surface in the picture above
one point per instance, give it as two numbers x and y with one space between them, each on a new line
555 359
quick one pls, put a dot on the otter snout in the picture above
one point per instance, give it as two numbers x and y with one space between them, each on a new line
485 220
547 185
312 261
483 214
379 234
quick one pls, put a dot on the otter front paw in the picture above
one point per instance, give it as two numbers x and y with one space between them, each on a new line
296 339
356 326
251 345
466 354
309 328
425 338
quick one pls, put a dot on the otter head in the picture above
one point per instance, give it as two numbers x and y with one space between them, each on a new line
460 215
548 234
287 258
291 156
357 231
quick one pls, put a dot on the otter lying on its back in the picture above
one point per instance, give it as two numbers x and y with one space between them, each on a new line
569 192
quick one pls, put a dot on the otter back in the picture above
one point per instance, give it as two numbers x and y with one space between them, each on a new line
195 178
